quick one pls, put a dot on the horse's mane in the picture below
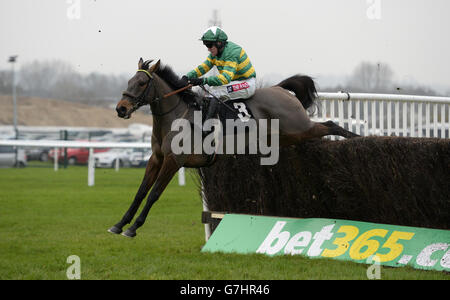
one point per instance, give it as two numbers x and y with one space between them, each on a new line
166 73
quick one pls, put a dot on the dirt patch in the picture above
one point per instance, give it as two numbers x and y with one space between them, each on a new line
50 112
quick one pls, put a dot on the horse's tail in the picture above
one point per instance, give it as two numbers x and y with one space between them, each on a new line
304 88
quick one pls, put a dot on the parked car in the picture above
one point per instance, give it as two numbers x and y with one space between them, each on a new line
108 159
8 157
140 157
74 155
37 153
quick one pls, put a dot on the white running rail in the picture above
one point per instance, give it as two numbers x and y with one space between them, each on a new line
78 144
386 115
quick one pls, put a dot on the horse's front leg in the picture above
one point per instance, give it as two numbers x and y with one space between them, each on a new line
151 173
168 170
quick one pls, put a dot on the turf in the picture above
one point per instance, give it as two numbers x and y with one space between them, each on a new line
46 216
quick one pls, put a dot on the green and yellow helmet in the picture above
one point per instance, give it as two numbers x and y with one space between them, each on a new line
214 34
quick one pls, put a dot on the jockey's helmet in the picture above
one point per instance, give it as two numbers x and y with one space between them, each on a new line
214 34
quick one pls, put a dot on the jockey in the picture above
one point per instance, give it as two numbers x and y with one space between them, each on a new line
237 76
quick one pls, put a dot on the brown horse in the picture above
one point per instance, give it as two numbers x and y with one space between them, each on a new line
151 83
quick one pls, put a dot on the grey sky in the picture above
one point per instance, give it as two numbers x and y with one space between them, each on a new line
314 37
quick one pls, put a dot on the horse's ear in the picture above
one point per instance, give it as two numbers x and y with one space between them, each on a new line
155 67
140 63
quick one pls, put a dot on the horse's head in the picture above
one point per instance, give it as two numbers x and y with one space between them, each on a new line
139 91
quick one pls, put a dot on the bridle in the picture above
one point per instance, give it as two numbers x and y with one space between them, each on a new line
140 100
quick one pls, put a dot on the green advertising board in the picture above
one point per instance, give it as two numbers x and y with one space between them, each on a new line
362 242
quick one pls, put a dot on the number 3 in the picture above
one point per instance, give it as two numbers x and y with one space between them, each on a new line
242 109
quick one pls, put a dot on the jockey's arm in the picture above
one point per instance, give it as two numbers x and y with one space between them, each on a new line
202 69
226 74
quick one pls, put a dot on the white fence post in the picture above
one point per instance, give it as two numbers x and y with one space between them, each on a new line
181 177
55 159
91 168
207 226
116 164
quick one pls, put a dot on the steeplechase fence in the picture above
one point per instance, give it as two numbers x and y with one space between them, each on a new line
380 178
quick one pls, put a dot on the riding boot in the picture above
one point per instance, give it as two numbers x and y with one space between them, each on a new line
212 109
211 114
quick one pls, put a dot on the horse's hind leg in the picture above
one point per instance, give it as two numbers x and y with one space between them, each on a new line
151 173
318 130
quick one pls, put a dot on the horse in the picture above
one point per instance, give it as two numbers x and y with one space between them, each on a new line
287 102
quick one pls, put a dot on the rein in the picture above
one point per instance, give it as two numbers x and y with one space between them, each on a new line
177 91
167 96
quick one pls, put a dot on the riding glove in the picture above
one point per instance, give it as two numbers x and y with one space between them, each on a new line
197 81
184 81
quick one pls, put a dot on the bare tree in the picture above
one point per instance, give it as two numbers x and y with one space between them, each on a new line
58 79
40 78
372 77
5 82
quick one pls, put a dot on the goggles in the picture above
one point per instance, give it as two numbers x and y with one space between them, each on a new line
209 44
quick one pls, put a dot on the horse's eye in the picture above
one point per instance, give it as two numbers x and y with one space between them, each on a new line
142 83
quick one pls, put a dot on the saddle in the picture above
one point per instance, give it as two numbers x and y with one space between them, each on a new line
236 109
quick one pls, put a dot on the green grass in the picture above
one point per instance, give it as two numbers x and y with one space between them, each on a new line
46 216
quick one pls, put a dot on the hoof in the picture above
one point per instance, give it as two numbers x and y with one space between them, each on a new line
115 230
129 233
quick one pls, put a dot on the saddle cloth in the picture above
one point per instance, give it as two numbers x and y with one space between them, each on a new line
234 110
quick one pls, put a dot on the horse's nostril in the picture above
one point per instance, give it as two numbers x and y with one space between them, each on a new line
121 110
